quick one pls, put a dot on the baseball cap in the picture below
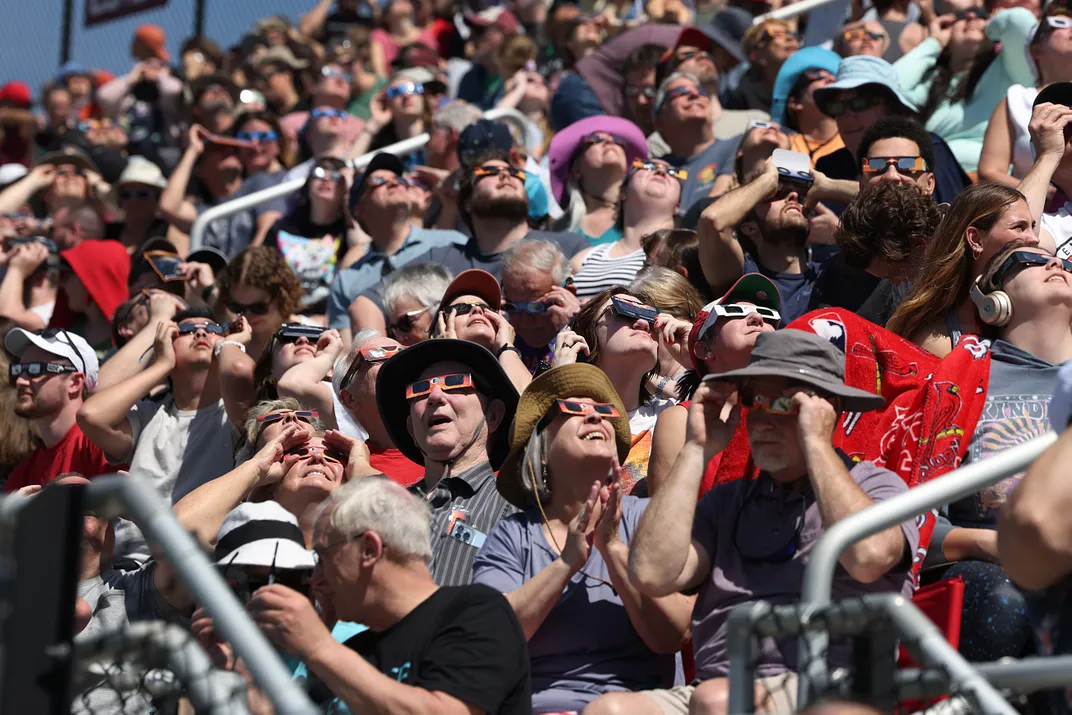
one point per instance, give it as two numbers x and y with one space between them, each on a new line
10 173
213 257
474 282
61 343
481 135
262 534
152 37
17 94
382 160
1056 93
753 288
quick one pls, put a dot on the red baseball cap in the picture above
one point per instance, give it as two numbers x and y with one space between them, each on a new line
474 282
152 37
17 93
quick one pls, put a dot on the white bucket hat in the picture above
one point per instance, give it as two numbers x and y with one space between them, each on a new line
262 534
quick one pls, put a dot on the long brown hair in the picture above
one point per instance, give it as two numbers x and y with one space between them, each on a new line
584 324
946 274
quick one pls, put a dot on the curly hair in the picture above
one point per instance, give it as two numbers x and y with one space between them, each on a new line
884 222
265 268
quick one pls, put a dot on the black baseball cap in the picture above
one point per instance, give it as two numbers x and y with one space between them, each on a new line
481 135
382 160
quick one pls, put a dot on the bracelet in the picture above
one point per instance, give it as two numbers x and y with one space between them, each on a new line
507 348
219 346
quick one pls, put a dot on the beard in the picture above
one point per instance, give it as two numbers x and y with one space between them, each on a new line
514 208
786 230
30 410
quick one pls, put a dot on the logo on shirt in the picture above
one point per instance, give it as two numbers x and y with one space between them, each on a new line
707 174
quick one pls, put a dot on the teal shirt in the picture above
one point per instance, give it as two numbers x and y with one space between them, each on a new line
963 124
611 235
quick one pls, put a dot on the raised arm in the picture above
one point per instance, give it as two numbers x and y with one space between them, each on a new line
721 255
24 260
136 354
236 372
664 558
1048 122
997 148
174 207
14 197
312 22
305 381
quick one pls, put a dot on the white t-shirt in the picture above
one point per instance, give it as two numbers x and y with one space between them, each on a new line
1059 226
44 311
176 452
643 418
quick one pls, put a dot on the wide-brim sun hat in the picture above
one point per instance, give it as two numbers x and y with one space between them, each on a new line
564 146
803 358
560 383
406 366
862 70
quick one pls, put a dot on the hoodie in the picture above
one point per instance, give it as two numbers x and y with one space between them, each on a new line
103 267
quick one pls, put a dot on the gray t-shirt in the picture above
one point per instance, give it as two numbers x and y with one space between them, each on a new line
755 563
175 451
461 257
587 645
703 168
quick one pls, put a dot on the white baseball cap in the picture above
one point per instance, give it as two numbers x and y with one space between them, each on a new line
262 534
61 343
140 170
10 173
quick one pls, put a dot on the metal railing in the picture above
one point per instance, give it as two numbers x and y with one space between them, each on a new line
245 203
823 560
794 10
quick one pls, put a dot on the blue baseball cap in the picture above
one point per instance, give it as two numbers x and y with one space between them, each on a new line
481 135
863 70
73 69
809 58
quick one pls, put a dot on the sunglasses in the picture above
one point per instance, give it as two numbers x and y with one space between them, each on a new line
603 409
466 308
406 321
780 405
306 416
320 113
484 171
740 310
773 33
292 332
647 92
320 172
128 194
35 369
690 92
403 90
860 33
1058 22
269 73
909 165
659 168
191 328
691 54
1019 259
260 308
269 136
332 72
457 381
633 311
530 308
859 103
328 455
590 140
369 356
972 13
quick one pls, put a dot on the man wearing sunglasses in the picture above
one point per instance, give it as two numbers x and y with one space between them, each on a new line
682 114
538 298
382 204
747 539
54 372
176 445
447 404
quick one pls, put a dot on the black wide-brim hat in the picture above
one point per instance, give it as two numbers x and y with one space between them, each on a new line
406 366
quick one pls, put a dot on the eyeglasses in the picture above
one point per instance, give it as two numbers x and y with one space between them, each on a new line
740 310
633 311
1019 259
647 92
971 13
321 112
332 72
466 308
859 103
403 90
307 416
259 308
482 172
779 405
774 33
67 170
128 194
455 381
859 33
590 140
320 172
328 455
322 550
406 321
910 165
36 369
257 137
51 333
659 168
530 308
292 332
369 356
603 409
191 328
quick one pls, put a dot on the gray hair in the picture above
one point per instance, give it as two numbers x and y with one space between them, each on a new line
660 96
543 256
402 520
424 282
456 115
343 362
533 468
267 407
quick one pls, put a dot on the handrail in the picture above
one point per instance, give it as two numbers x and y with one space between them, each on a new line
245 203
794 10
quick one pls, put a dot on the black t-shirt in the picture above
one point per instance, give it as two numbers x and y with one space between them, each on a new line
840 287
464 641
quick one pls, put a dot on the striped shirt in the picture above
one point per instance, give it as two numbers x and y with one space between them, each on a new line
465 507
599 272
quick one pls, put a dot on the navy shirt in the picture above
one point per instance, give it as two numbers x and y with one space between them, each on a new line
795 288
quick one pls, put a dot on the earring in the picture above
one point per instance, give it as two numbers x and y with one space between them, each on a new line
976 251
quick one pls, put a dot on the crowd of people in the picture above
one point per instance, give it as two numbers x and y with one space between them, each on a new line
512 421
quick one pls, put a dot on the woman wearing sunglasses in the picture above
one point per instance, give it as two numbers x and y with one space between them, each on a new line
270 150
937 310
865 37
400 112
317 237
589 161
649 200
1008 140
563 560
957 76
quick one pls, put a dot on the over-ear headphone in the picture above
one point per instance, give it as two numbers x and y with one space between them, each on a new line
994 308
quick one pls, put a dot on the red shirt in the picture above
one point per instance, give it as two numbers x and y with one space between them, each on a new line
395 465
73 453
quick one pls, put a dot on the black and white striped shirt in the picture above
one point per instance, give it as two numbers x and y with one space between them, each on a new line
465 507
599 272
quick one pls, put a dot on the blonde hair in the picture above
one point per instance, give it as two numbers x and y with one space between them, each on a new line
669 291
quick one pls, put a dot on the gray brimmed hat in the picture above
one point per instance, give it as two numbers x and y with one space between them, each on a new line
806 358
